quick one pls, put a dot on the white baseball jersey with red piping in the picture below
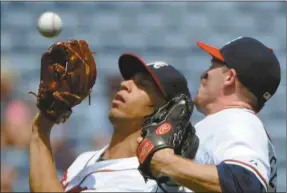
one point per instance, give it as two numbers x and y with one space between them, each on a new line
237 136
87 174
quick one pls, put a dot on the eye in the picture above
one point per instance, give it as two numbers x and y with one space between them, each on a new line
143 83
204 75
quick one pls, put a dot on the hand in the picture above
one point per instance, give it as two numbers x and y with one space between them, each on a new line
156 160
165 129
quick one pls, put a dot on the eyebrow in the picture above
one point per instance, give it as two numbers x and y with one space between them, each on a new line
144 76
151 83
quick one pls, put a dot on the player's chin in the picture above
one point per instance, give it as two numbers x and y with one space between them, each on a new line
197 103
116 112
196 99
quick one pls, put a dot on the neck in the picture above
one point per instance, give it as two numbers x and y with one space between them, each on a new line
225 104
122 145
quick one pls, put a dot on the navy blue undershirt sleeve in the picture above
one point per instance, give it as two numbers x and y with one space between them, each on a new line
234 178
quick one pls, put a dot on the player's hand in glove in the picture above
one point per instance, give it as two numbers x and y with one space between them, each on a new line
169 127
68 73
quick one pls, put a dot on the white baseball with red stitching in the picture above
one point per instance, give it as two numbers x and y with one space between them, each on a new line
49 24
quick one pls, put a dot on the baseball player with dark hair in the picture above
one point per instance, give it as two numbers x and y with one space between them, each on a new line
235 152
68 72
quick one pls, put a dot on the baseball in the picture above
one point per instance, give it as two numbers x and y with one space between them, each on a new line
49 24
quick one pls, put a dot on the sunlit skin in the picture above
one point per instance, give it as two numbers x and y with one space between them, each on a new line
218 89
211 86
134 101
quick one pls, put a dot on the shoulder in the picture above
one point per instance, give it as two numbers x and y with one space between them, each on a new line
82 160
76 166
245 125
242 137
243 128
232 126
234 121
86 156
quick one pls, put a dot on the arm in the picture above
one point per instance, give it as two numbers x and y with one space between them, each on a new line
224 177
197 177
43 175
238 167
68 73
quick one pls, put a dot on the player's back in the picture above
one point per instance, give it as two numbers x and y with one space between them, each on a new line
237 136
118 175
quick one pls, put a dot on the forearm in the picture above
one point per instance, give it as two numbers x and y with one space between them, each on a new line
43 174
197 177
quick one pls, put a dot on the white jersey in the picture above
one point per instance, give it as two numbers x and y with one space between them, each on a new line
118 175
170 187
237 136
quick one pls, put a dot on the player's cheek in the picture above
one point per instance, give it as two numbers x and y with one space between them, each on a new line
140 110
202 89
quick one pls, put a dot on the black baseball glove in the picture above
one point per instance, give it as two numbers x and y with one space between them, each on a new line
168 127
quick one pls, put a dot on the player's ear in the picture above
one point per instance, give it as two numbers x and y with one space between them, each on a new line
229 77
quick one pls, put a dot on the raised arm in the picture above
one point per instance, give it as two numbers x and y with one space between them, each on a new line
43 174
68 73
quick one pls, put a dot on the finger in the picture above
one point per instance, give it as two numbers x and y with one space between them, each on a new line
91 70
59 97
75 56
71 98
84 49
70 95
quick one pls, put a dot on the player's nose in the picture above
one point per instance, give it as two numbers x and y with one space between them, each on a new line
126 85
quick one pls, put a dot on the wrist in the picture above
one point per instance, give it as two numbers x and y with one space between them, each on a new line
163 154
42 124
160 160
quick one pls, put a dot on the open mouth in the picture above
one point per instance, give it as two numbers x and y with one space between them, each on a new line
119 97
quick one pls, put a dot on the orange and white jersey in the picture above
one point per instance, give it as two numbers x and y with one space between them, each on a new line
237 136
87 174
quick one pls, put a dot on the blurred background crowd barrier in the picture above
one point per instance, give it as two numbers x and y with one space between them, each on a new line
154 30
